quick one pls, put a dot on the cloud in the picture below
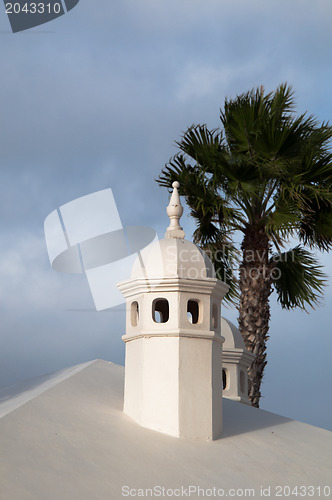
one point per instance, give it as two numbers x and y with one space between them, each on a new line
28 282
48 319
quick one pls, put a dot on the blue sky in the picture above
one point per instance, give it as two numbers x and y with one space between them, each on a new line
96 99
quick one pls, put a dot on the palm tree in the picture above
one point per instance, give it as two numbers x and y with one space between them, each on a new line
266 176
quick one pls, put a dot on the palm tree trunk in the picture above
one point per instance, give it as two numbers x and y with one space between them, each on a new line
254 308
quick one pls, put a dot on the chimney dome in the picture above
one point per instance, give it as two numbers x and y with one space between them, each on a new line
173 257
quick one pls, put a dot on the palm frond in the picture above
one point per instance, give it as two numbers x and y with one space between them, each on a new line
315 229
297 278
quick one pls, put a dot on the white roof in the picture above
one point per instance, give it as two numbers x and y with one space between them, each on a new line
70 440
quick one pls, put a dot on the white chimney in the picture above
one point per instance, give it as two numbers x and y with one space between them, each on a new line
235 363
173 368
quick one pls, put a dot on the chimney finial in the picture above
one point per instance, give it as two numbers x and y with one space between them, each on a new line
174 212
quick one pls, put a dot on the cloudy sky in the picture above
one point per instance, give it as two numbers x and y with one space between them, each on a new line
95 99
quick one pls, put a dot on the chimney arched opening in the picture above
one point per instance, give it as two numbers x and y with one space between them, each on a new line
160 310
